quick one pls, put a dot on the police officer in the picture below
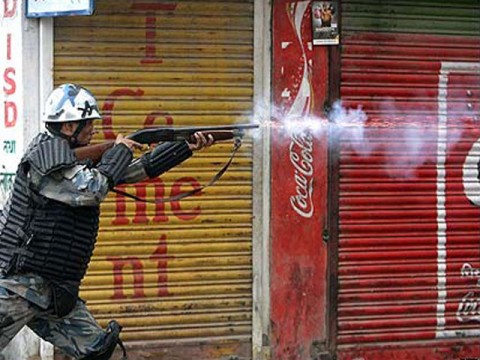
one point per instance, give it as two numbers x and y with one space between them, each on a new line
49 224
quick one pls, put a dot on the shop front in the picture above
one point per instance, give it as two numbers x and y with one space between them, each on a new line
176 275
408 227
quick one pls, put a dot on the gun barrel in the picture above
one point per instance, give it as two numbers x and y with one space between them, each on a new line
219 132
218 127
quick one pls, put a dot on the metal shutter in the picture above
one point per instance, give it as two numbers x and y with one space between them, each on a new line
400 249
180 270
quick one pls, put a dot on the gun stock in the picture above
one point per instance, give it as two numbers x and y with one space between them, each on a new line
93 152
218 135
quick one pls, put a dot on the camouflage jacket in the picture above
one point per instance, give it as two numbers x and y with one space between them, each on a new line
32 288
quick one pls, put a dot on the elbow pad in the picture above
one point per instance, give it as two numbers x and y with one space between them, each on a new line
164 157
114 163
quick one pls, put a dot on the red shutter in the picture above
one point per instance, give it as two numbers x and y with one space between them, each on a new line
406 226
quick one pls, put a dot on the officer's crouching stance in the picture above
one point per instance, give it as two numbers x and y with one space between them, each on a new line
49 225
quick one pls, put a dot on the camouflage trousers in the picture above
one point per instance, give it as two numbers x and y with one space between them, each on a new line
77 334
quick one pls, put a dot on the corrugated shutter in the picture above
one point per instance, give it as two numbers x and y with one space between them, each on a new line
390 264
180 270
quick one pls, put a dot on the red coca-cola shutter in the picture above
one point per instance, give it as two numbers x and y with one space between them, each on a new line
406 225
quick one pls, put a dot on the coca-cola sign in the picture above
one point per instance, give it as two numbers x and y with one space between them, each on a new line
469 308
458 292
301 158
298 203
469 271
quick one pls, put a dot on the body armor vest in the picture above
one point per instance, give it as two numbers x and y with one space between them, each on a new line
41 235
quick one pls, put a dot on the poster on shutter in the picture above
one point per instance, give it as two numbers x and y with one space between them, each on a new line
325 23
458 201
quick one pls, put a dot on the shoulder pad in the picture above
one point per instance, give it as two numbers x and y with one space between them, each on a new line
50 155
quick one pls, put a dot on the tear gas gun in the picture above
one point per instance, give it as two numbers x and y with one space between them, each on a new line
159 134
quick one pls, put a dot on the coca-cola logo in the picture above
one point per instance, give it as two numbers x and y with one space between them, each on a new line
469 271
469 308
301 157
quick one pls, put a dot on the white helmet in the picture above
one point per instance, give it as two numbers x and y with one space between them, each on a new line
70 102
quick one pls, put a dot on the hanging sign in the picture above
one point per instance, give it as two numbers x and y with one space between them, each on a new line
11 95
325 23
50 8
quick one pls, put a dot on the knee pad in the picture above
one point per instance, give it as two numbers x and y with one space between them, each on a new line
111 341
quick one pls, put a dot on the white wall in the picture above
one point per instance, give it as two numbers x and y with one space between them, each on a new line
261 183
19 122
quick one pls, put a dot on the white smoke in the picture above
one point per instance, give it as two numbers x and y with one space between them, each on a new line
288 125
405 140
350 126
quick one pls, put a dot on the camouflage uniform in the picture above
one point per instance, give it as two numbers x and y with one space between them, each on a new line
42 258
26 300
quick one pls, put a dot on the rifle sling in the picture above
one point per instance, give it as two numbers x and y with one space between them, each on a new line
177 197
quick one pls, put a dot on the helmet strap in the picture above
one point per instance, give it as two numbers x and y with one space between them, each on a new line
72 139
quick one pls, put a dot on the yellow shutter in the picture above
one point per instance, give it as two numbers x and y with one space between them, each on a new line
180 270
